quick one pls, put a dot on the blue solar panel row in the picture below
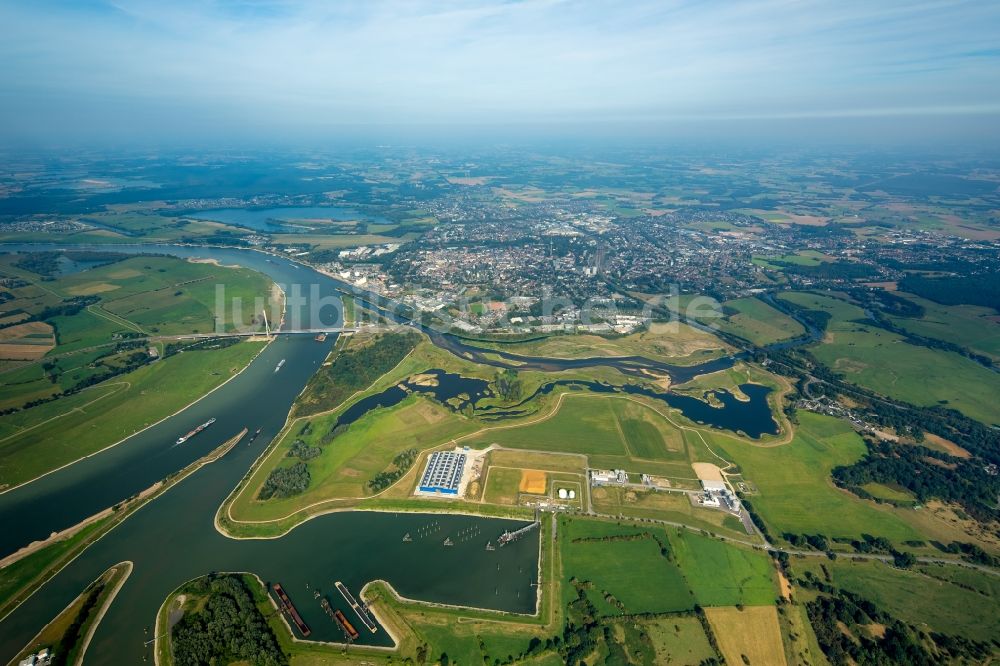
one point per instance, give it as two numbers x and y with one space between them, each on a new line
443 473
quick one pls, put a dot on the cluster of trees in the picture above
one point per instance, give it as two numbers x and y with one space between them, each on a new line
47 263
200 345
758 522
71 637
356 368
401 465
897 646
817 541
982 289
927 474
41 263
900 644
229 628
834 270
285 482
976 437
969 552
818 319
303 451
508 385
67 308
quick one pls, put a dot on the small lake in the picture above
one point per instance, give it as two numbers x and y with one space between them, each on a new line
751 416
284 220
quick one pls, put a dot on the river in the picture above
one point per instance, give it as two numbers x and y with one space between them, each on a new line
173 538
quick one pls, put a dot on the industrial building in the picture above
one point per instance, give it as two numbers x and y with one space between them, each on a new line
443 473
614 477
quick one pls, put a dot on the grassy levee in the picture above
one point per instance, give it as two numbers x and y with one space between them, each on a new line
28 571
20 578
796 492
884 362
43 438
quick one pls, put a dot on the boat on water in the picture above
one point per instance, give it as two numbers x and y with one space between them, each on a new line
280 363
348 628
184 438
288 607
321 337
254 435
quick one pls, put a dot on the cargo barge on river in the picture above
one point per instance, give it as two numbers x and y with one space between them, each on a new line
361 611
289 608
184 438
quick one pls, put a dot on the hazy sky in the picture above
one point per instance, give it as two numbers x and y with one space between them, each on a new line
184 68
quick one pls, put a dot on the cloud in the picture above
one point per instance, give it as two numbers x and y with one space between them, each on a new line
185 64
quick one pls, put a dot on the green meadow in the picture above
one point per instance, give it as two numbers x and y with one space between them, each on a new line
971 326
884 362
754 320
927 596
626 562
796 493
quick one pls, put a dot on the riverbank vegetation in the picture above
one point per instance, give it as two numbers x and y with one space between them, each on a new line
67 635
362 360
220 623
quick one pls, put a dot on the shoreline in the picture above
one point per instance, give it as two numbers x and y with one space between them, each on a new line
125 513
151 425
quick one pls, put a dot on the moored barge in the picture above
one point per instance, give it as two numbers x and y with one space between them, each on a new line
289 608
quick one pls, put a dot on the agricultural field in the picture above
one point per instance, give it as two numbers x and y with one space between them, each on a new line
149 294
722 575
884 362
748 635
679 640
170 296
678 568
88 325
642 579
796 493
115 227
